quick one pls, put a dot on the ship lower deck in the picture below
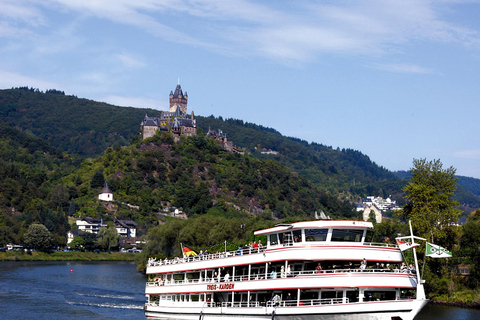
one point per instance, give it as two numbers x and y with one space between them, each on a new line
376 310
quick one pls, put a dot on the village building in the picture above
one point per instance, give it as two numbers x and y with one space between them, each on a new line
91 225
105 194
126 228
176 120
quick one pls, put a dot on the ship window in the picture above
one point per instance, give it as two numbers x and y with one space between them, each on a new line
331 294
369 236
352 296
379 295
316 234
273 239
297 235
194 297
347 235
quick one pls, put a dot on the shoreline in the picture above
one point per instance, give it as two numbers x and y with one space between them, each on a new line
66 256
474 305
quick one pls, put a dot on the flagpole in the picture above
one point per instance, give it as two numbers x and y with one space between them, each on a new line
420 289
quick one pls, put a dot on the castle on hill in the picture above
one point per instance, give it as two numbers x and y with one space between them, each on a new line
176 120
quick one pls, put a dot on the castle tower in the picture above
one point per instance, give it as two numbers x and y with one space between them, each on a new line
178 99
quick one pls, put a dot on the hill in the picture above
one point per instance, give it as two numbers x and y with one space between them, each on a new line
88 128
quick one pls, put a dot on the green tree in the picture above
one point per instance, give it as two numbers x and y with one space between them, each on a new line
108 237
38 237
98 180
430 205
470 246
90 241
71 209
77 243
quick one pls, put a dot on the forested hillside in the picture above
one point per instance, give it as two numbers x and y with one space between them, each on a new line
88 128
148 178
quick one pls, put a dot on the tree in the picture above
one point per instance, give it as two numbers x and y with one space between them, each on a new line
108 237
71 209
98 180
470 246
430 205
90 241
77 243
38 237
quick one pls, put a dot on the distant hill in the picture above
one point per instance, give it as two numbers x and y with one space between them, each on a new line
467 193
88 128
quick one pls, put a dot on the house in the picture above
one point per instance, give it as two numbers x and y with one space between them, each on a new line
72 234
126 228
176 120
91 225
105 194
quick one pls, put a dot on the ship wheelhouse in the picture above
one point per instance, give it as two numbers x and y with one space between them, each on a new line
304 267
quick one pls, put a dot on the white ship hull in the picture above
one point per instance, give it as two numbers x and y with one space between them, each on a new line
404 310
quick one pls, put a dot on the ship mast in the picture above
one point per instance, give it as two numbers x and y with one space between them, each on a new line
420 288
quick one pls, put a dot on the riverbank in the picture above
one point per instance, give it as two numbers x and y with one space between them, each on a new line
66 256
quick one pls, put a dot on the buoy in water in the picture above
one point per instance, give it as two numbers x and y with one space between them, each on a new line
71 269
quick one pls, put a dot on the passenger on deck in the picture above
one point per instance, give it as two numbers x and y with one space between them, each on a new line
227 277
363 265
282 272
411 268
318 268
255 246
273 274
403 268
276 300
288 272
260 246
289 299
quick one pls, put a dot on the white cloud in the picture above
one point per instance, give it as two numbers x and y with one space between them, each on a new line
403 68
130 62
282 30
13 79
468 154
137 102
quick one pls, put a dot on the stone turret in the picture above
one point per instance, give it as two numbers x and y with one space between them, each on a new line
178 100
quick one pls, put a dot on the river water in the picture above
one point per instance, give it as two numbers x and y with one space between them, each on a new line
102 290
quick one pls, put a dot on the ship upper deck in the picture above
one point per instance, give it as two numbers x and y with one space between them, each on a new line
308 240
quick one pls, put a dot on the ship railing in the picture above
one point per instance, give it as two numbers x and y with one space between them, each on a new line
208 256
308 302
270 276
238 304
380 244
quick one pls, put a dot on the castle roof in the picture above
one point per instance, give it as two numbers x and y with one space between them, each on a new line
187 122
178 92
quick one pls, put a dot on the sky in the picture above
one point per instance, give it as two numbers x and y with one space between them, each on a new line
396 80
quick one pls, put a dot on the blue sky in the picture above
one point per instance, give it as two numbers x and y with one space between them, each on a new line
397 80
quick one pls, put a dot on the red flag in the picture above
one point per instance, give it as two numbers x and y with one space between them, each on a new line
189 252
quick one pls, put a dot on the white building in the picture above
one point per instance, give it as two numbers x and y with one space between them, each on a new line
91 225
105 194
126 228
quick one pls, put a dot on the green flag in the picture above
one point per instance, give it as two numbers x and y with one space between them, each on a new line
435 251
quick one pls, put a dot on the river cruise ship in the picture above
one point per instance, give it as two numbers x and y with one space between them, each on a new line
302 271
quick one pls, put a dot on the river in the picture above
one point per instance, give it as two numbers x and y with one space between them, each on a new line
102 290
